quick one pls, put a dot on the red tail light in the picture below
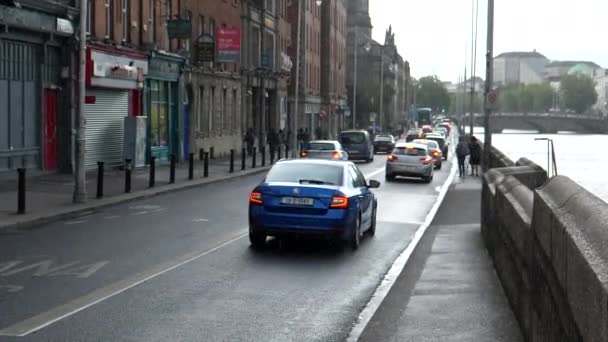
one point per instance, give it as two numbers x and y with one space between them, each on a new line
339 202
436 153
255 198
391 157
426 160
304 154
336 155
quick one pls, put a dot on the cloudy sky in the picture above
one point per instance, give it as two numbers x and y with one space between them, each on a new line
432 34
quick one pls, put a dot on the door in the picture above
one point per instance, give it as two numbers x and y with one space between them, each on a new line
365 196
50 129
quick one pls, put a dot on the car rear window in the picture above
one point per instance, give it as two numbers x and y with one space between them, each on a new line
294 172
352 138
432 144
410 151
320 147
439 141
382 138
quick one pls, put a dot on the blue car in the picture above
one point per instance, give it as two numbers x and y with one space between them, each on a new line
313 197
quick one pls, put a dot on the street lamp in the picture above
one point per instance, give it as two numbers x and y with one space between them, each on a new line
550 156
366 46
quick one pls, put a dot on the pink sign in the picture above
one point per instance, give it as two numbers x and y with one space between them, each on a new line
228 45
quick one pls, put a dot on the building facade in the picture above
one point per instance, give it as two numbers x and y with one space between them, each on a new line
601 87
37 62
519 68
333 67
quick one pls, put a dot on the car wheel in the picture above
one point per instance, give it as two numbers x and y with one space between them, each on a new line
355 238
258 240
372 228
439 166
390 178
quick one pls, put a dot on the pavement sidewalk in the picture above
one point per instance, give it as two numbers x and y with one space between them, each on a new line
49 196
449 290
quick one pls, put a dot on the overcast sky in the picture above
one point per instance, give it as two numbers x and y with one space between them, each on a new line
431 34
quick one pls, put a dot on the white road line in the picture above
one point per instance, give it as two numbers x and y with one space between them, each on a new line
75 222
56 314
373 173
393 273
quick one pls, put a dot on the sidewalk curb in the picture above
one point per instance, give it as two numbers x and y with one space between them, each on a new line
95 204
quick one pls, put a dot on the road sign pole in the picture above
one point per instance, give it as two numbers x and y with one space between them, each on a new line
487 141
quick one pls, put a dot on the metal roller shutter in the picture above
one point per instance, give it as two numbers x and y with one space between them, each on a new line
105 122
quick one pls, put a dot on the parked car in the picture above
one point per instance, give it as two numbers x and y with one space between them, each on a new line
324 149
434 151
358 144
410 160
313 197
384 143
443 144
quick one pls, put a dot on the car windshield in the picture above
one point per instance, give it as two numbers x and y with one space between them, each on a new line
410 151
321 147
352 138
306 173
439 140
383 138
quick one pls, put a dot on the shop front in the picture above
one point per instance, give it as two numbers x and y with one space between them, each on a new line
162 101
114 91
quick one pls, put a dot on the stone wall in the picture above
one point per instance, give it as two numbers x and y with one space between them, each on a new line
549 243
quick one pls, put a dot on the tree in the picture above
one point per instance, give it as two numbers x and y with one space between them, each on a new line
432 93
526 98
578 92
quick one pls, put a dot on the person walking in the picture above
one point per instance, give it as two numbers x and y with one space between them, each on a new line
249 140
462 151
475 159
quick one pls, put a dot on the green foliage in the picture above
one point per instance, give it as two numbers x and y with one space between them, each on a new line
430 92
532 98
578 92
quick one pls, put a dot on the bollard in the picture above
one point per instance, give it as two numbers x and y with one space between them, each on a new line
127 175
152 172
286 151
21 191
271 156
206 165
263 152
243 158
212 152
99 179
172 170
201 154
191 166
232 161
253 158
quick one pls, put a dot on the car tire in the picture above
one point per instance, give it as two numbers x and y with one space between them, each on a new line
439 166
372 227
257 239
355 238
390 178
428 179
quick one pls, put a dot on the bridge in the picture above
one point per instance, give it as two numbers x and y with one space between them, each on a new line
545 123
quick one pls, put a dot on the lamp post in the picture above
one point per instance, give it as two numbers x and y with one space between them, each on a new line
488 87
80 191
367 47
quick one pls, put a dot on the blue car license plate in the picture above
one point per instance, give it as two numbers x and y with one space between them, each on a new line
297 201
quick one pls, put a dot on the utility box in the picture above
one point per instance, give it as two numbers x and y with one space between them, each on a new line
135 140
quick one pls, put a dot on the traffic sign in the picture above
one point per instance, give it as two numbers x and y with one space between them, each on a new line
492 99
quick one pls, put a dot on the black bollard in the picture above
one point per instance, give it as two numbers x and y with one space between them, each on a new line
243 158
201 154
206 165
212 152
127 175
253 158
263 152
21 191
191 166
232 161
99 179
271 156
152 179
172 170
286 151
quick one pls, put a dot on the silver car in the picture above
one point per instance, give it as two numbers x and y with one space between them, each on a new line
410 160
324 149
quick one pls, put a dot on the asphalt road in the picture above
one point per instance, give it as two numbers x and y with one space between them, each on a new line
178 267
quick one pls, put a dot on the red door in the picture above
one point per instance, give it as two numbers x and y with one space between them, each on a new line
50 129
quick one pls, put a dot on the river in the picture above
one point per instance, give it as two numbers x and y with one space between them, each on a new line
580 157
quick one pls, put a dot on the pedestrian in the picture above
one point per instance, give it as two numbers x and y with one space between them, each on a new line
475 159
306 136
249 140
462 151
300 138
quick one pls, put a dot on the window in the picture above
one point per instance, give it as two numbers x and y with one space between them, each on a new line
89 16
124 17
234 109
212 27
211 112
293 173
108 15
201 25
224 119
159 118
186 44
152 22
201 123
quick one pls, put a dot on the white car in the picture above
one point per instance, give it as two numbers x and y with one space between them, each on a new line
410 160
324 149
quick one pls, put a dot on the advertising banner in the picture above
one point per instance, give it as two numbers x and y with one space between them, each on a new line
228 45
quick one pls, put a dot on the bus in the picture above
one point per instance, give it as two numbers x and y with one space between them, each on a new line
424 116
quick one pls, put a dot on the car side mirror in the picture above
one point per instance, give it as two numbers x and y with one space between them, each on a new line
373 184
